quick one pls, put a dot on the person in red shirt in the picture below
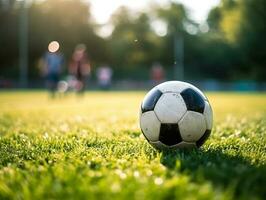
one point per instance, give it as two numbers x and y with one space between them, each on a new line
157 73
79 67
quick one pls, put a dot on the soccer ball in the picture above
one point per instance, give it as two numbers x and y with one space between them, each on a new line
176 114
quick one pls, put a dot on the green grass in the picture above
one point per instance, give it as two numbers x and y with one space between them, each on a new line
92 148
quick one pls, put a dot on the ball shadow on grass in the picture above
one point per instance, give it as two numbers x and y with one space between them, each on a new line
222 170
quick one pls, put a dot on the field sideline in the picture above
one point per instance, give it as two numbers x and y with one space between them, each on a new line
91 147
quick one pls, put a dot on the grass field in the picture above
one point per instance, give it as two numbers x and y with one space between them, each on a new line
92 148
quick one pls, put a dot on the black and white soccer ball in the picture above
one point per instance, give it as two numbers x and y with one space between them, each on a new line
176 114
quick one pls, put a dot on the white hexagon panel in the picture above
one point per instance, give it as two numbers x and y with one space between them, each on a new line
172 86
170 108
192 126
150 125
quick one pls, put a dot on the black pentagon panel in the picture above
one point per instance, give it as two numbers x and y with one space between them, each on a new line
169 134
150 100
203 138
193 100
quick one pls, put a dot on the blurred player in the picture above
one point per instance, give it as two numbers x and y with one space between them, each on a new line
157 73
52 66
79 67
104 76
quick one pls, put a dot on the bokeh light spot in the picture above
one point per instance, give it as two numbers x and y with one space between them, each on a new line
53 46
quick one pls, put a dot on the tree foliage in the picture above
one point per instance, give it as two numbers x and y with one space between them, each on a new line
241 23
132 43
233 48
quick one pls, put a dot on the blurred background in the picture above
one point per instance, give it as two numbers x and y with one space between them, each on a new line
215 44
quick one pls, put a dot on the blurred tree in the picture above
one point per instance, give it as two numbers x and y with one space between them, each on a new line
202 58
8 38
133 43
214 17
251 40
175 17
242 25
233 48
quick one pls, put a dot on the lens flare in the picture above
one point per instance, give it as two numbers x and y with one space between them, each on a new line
53 46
